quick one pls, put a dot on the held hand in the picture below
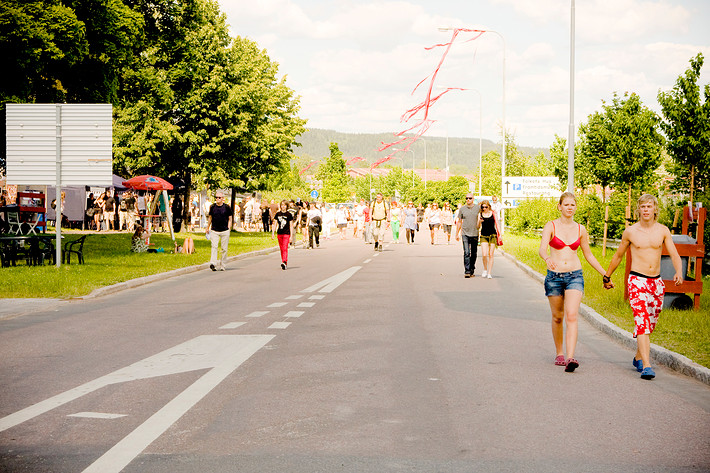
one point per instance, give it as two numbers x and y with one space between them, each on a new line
609 285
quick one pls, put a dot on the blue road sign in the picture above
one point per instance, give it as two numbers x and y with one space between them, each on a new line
314 194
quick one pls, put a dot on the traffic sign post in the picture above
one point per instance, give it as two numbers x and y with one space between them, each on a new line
520 188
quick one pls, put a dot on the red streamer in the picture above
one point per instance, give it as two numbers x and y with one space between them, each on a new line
423 125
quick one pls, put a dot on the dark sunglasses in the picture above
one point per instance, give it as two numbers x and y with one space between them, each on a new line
469 198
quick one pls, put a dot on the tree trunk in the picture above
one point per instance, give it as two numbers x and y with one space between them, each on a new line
692 183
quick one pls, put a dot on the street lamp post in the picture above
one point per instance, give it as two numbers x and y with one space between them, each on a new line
421 138
409 150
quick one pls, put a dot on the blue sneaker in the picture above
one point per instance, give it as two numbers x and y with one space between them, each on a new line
648 373
638 364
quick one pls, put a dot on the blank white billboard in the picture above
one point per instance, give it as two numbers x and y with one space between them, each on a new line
86 135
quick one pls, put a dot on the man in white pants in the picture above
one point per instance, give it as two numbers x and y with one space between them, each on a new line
219 223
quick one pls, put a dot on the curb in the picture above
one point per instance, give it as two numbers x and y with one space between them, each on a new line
660 355
131 283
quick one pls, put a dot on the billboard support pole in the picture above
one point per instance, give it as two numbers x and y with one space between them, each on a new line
58 198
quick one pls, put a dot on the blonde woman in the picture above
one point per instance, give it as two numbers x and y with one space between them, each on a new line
447 221
489 234
564 282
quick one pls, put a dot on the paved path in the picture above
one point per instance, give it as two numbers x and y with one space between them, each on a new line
349 361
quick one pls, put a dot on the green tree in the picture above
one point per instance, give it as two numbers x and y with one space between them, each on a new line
39 42
626 132
559 157
686 124
333 173
202 106
491 173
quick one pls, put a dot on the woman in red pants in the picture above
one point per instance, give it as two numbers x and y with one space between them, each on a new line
282 226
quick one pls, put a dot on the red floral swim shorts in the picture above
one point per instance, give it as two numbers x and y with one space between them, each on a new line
646 299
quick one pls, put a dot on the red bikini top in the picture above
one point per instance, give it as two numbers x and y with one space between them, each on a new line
558 244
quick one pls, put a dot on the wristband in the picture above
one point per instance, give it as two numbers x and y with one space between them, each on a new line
606 279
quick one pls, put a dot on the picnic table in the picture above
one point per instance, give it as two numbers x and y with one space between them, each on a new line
33 249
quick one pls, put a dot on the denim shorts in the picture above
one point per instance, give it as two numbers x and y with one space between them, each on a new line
557 283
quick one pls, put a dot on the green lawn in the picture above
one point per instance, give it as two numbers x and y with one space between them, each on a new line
684 332
109 261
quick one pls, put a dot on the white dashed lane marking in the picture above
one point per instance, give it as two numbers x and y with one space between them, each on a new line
258 313
232 325
280 325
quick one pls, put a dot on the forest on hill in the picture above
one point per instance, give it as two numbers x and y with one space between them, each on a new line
463 152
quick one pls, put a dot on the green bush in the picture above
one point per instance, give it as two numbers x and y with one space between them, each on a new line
531 215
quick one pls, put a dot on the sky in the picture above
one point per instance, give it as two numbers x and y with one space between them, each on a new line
355 63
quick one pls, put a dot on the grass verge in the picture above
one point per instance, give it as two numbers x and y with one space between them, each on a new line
684 332
109 261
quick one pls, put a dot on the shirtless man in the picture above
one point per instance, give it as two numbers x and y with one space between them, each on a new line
646 239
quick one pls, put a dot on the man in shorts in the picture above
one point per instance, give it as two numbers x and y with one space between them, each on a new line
645 238
380 216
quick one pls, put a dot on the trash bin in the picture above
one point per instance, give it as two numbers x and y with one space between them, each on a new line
676 300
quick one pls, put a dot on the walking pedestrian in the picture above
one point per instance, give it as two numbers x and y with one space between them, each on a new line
434 220
410 222
467 231
395 219
379 212
645 239
490 234
315 221
341 220
447 221
564 282
282 227
219 222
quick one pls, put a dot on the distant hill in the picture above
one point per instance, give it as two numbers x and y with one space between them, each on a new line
463 152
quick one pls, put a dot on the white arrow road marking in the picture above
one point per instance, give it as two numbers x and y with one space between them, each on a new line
222 353
219 352
330 284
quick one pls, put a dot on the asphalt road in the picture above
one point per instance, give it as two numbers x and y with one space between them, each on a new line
349 361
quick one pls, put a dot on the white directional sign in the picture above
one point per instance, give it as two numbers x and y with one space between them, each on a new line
519 188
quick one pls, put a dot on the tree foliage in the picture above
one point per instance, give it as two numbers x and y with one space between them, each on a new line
333 173
625 133
686 124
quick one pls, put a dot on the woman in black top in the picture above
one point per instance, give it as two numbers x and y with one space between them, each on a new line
282 226
488 226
